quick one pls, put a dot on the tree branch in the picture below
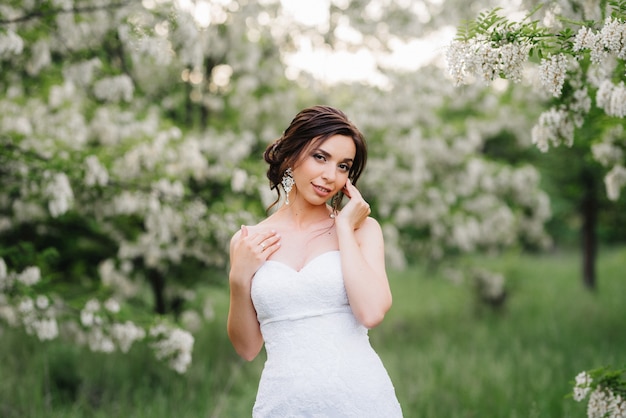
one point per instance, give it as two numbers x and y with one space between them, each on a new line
38 14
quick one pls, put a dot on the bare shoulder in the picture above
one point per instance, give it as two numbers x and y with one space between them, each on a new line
266 224
370 229
273 222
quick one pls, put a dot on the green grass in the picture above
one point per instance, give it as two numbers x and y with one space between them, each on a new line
447 355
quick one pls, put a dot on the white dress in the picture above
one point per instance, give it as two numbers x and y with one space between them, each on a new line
319 359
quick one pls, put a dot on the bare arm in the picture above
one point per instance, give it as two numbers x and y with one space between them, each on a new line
363 261
246 256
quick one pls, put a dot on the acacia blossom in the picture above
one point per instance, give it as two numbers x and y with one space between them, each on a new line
30 276
613 37
607 153
60 194
603 403
174 345
612 98
582 386
10 44
95 173
614 181
114 89
553 127
486 61
552 72
126 334
38 317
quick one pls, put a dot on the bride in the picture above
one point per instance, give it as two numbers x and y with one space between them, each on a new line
309 280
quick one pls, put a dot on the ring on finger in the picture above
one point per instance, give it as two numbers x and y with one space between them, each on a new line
262 244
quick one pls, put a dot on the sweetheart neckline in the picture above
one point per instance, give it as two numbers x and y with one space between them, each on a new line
308 263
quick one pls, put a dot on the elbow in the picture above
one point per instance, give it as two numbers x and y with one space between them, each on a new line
371 321
246 349
247 354
371 318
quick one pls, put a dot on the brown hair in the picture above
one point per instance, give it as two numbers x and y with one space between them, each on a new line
316 123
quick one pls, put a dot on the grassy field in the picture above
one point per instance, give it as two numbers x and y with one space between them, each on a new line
447 355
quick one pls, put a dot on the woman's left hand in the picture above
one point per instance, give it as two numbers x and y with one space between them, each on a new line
357 209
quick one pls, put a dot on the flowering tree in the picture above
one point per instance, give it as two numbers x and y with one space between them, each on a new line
448 197
104 196
131 137
579 50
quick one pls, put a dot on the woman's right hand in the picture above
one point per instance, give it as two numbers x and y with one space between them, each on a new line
249 251
356 210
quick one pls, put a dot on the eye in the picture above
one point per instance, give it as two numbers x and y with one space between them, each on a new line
344 167
319 157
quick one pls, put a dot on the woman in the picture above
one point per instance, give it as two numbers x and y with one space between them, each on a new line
309 280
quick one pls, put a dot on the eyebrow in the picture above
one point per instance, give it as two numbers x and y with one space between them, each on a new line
326 154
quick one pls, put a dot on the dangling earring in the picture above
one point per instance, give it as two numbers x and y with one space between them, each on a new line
334 204
287 183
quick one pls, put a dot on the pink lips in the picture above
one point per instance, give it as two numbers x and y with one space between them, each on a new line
322 191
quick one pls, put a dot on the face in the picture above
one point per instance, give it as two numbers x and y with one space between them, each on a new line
323 169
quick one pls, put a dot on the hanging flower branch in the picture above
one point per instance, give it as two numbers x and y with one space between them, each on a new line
579 62
606 390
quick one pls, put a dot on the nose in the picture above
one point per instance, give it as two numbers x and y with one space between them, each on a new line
329 173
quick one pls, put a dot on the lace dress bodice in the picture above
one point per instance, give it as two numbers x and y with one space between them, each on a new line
319 359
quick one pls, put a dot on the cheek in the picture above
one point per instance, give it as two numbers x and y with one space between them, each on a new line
344 180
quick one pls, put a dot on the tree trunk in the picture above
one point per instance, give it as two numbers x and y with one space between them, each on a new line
157 281
589 243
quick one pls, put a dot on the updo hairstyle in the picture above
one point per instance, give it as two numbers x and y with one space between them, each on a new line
312 126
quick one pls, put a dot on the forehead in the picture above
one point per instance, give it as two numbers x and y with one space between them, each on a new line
340 146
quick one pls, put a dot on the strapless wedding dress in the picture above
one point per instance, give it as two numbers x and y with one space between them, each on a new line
319 359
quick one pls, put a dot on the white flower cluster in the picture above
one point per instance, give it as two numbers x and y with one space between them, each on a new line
580 105
40 57
554 126
603 402
95 172
582 386
614 180
586 38
117 279
103 335
609 151
612 98
114 89
606 153
126 334
4 276
82 73
10 44
174 345
38 317
552 72
59 192
485 61
30 276
610 40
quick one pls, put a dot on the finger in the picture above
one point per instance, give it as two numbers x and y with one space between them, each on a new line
244 231
272 248
267 239
347 187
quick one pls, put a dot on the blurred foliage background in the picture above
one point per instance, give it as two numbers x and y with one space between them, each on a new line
132 136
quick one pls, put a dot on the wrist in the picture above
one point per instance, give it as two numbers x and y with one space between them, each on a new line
343 226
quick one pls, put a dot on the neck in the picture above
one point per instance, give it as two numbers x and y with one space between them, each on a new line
304 217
